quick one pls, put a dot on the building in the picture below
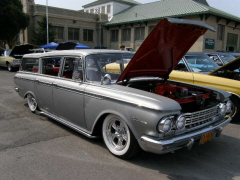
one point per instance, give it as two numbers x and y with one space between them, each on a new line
68 25
111 23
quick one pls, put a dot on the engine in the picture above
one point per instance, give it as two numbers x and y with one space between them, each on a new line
190 98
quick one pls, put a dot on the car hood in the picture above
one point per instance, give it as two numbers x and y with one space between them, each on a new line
21 50
231 66
66 46
164 47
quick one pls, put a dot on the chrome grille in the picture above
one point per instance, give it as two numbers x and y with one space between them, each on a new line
200 118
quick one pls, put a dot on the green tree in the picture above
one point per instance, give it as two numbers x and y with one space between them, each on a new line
12 21
40 33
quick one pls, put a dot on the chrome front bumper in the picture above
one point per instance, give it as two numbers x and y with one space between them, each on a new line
150 144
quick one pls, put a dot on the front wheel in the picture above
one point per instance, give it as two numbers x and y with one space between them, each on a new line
32 103
9 67
118 137
235 113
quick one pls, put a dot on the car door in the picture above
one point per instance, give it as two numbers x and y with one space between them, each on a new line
68 92
44 83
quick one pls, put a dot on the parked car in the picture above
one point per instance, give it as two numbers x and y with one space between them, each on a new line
203 68
138 108
236 55
12 60
221 57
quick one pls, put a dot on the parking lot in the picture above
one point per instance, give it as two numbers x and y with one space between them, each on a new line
36 147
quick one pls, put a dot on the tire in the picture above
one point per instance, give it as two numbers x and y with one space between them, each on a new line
118 138
235 114
9 67
32 103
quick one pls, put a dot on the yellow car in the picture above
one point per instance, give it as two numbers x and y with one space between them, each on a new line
225 78
11 59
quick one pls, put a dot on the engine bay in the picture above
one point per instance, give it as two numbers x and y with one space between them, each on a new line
191 98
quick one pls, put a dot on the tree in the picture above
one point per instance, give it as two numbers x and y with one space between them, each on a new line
40 34
12 21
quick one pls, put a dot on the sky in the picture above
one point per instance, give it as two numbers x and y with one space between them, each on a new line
229 6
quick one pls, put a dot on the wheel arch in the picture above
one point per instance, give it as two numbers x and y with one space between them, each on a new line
234 94
28 92
97 128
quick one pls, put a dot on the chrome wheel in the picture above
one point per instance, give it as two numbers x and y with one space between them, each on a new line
9 67
119 138
32 103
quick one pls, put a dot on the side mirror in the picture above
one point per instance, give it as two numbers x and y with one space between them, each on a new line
106 79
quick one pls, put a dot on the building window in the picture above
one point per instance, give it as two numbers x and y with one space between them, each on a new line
126 34
87 11
220 32
139 33
114 35
150 28
58 32
91 10
73 34
108 9
232 39
103 9
88 35
97 10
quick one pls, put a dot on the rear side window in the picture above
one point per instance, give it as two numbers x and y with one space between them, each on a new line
51 66
30 65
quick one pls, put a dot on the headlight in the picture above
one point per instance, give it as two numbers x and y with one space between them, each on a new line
181 121
165 125
229 106
16 61
222 109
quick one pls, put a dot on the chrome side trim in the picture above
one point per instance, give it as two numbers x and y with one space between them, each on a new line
97 96
71 125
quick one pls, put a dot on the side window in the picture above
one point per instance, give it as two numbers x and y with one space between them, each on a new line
77 70
181 66
72 68
51 66
30 65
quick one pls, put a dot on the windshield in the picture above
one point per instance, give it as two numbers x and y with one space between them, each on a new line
201 63
226 58
8 52
98 65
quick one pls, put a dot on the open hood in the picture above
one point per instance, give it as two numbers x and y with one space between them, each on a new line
231 66
66 46
164 47
20 50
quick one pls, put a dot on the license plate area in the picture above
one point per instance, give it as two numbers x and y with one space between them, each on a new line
206 137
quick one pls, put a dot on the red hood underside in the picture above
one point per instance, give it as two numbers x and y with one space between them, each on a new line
164 47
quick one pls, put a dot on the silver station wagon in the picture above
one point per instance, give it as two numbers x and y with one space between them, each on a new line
126 97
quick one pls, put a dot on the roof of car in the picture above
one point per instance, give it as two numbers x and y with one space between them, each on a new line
74 52
195 53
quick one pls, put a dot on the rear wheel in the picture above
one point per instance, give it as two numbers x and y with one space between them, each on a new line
118 137
32 103
235 114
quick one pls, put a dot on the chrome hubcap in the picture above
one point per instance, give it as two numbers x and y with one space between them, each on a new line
32 102
117 134
9 67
